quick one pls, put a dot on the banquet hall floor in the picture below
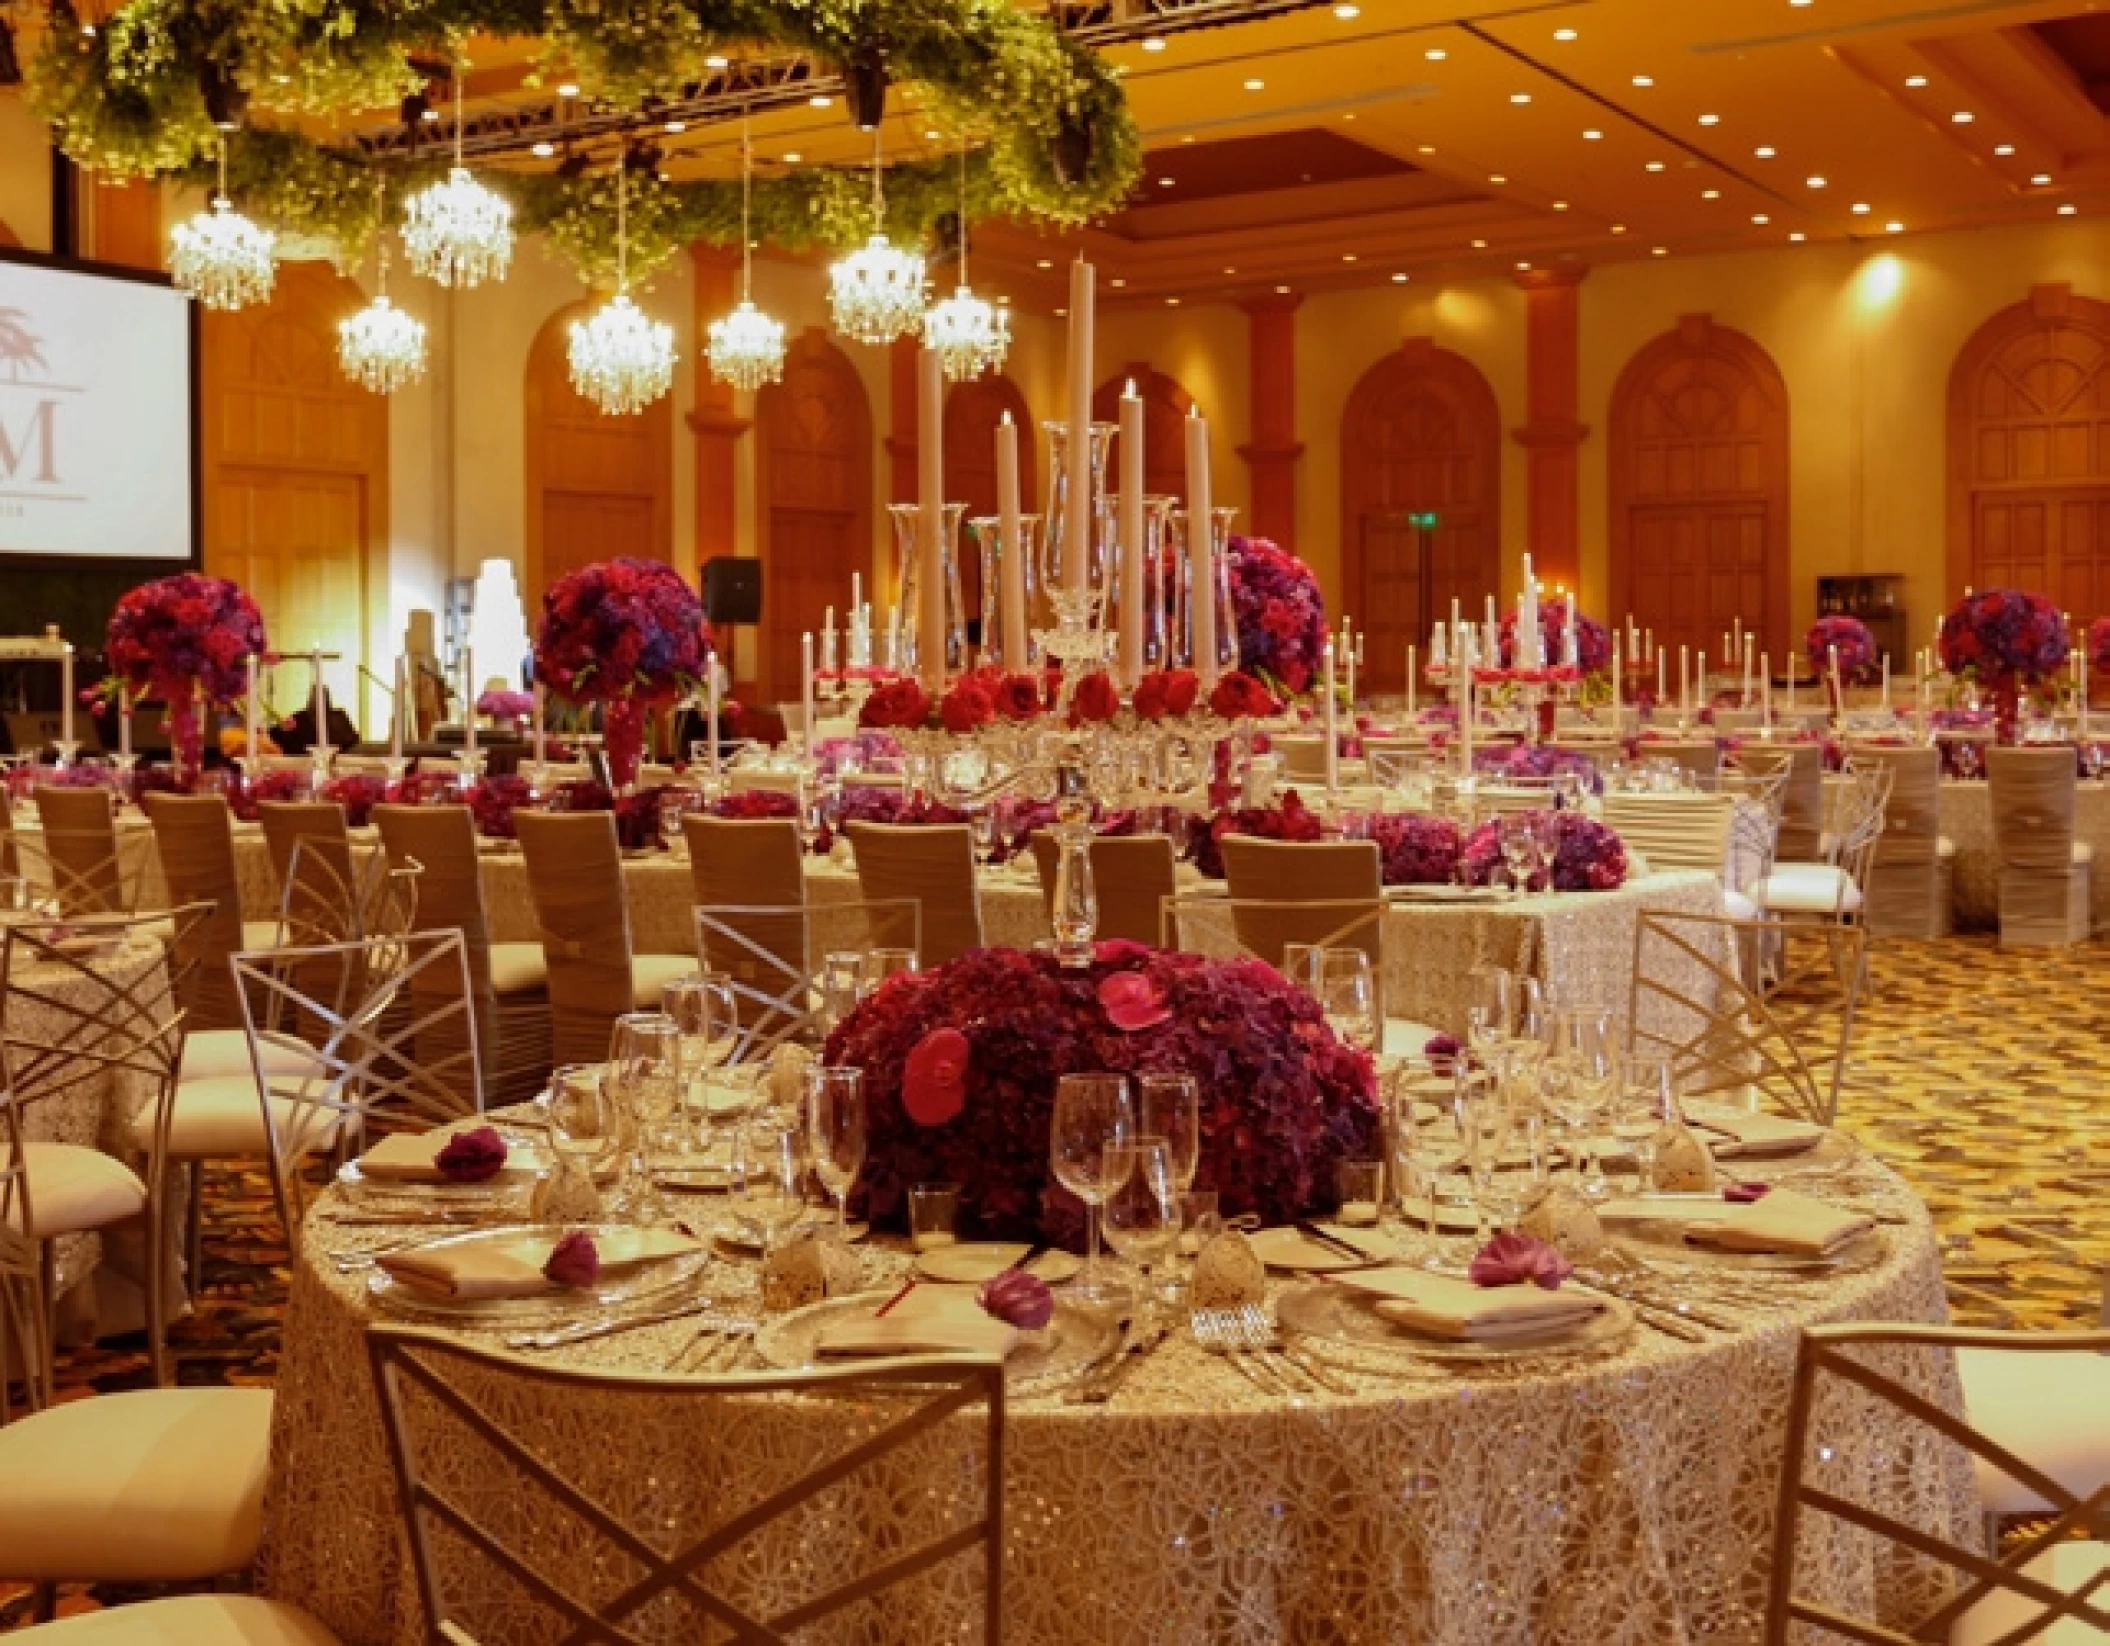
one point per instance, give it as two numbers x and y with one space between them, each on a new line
1982 1075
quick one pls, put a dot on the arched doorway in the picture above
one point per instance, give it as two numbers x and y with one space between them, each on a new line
2029 467
296 476
972 412
597 486
1165 409
815 488
1421 435
1699 491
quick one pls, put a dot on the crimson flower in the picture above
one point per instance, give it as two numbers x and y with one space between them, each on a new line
934 1080
1240 696
898 704
1095 700
1018 697
575 1261
1512 1259
966 706
472 1157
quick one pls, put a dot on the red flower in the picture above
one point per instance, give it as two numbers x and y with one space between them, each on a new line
1238 696
1133 1002
1018 697
473 1156
934 1079
966 706
1096 700
1182 687
897 703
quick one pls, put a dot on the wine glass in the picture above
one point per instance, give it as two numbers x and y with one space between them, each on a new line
644 1076
1093 1114
1408 1162
1645 1105
1573 1077
1480 1103
840 985
1491 1012
1169 1108
1518 850
880 964
706 1018
1300 965
771 1161
1142 1210
1348 996
835 1128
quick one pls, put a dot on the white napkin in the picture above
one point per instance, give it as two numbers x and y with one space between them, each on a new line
927 1320
510 1265
1446 1306
413 1157
1784 1222
1736 1134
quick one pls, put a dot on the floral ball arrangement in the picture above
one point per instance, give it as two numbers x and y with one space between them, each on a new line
961 1065
1279 613
1593 644
2004 636
187 640
1588 857
628 634
1417 850
2099 645
1856 647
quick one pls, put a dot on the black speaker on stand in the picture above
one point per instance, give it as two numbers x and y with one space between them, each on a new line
732 589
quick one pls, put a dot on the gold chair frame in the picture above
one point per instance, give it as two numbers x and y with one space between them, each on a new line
765 952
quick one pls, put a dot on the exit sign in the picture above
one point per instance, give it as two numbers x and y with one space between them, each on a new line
1425 522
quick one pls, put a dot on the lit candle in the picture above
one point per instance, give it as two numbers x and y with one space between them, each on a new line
124 722
1837 685
893 638
66 699
1699 670
1684 683
1413 680
1794 668
1078 506
1765 692
930 582
710 710
252 732
399 708
541 715
1743 695
1886 680
1350 646
1131 536
828 641
469 697
806 682
1616 682
318 706
1201 560
1662 694
1011 546
1332 718
1465 722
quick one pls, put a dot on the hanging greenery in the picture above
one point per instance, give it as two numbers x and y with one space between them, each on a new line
138 97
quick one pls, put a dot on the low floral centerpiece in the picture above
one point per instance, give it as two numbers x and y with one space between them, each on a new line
187 640
1288 819
629 635
506 708
1850 638
1279 612
1588 857
2004 640
1417 850
1537 761
961 1065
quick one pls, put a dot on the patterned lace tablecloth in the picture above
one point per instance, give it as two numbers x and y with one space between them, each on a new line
1628 1497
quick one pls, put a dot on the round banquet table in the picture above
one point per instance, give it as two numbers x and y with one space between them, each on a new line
1625 1497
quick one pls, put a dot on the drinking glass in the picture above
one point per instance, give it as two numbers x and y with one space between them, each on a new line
1491 1013
933 1215
877 965
1094 1114
706 1017
1142 1208
1169 1107
1362 1186
1647 1102
582 1129
644 1076
772 1161
840 985
1348 996
1574 1077
1518 850
1412 1169
1481 1105
835 1127
1300 964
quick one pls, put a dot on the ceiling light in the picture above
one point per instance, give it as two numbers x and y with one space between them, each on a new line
792 157
542 151
1710 119
1798 2
2068 209
1860 208
716 62
1760 218
1797 236
1498 179
746 348
1520 97
820 100
2042 178
1814 182
1962 117
1659 251
1282 291
381 348
620 359
1347 257
1118 281
1256 85
220 257
1427 148
1230 271
457 232
569 88
1915 81
1592 135
1399 280
1564 34
431 117
1479 245
1188 138
1560 205
1619 228
1061 313
1164 182
1172 302
1435 54
1710 194
1643 80
2003 149
1653 165
1523 267
1765 151
1045 263
1893 228
1347 14
876 294
1155 43
931 136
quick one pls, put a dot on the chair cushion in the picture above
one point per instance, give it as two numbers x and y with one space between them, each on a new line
259 934
651 973
208 1052
1807 888
72 1187
220 1118
2051 1410
188 1620
154 1486
518 968
1737 906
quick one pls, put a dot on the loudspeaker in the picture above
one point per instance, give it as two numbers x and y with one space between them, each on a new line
732 589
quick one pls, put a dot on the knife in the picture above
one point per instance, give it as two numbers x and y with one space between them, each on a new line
1101 1389
607 1328
1334 1243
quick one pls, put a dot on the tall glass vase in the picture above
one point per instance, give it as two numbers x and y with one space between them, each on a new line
1157 578
908 564
1217 589
999 646
1073 534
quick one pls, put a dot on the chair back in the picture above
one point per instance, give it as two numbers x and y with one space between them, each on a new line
80 844
194 837
436 846
1858 821
1701 756
757 866
1303 755
933 864
775 780
1754 824
862 1503
1675 831
311 856
2033 796
1873 1405
1132 875
575 878
1506 796
1903 881
1270 879
1802 802
1735 722
25 1335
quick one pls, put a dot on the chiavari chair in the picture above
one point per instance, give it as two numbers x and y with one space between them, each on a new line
931 865
1833 891
1802 800
2046 874
1132 875
194 836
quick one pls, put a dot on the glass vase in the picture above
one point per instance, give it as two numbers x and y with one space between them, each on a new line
1072 535
999 646
1178 530
908 564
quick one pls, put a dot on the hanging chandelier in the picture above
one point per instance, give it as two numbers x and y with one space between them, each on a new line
381 348
970 333
221 258
458 232
621 359
876 293
747 346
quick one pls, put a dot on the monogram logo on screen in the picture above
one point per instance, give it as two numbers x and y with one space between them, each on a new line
29 439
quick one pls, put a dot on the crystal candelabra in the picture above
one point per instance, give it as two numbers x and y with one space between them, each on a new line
1074 908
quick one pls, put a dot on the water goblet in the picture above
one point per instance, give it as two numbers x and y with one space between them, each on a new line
835 1128
1094 1113
1169 1107
771 1161
644 1075
706 1016
880 964
583 1133
840 984
1485 1126
1348 996
1142 1209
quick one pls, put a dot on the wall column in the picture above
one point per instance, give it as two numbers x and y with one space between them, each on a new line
1553 437
901 421
715 420
1271 456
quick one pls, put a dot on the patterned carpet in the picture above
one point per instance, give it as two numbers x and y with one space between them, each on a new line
1982 1075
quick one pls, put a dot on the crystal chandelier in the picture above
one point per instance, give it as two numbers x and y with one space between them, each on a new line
381 347
876 294
747 346
220 257
458 232
970 333
621 360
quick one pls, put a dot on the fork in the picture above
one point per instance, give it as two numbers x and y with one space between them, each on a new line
723 1332
1261 1337
1212 1330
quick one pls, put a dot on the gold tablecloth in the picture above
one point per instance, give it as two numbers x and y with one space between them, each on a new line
1628 1497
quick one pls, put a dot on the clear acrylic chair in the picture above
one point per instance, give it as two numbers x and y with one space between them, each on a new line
771 954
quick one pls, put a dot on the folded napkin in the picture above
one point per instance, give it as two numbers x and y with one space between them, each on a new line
1783 1222
413 1157
927 1320
1447 1306
1734 1134
510 1265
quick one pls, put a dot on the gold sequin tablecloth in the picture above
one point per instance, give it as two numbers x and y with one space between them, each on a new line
1624 1498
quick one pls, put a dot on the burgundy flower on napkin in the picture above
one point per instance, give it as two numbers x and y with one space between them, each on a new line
472 1157
1132 1001
1018 1299
1442 1052
574 1261
934 1079
1742 1194
1511 1259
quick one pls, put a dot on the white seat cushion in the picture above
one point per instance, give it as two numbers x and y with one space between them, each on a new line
1738 907
208 1052
2050 1410
187 1620
518 968
221 1118
1807 888
651 973
259 934
155 1486
71 1188
1405 1039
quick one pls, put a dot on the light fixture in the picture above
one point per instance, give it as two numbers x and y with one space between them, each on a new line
1591 134
1347 257
1045 263
2003 149
716 62
1760 218
1520 97
1653 165
1435 54
1560 205
1644 80
1156 42
1619 228
568 88
820 100
2068 209
1564 34
1765 151
1172 302
543 150
1814 182
1256 85
1347 13
1962 117
1710 119
1118 282
1282 291
676 127
1659 251
1915 81
457 231
1399 279
621 359
221 258
1710 194
746 348
1165 182
1893 228
1497 179
970 335
1859 208
381 348
1523 268
792 157
876 293
1797 236
2041 179
1479 245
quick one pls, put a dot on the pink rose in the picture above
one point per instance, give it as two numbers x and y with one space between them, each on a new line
1511 1259
574 1261
1132 1001
934 1079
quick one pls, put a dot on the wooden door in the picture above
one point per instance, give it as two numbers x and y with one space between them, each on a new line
2029 453
1420 435
816 492
1699 490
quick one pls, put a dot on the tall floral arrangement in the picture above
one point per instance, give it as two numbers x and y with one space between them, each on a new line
2004 639
627 634
1848 636
187 640
961 1065
1280 614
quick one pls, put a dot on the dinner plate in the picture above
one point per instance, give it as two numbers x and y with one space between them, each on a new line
971 1262
524 1163
1296 1252
1074 1340
1340 1317
633 1286
1665 1236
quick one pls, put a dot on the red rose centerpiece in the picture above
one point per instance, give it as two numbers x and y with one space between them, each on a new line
627 634
2004 640
187 640
1279 612
1851 639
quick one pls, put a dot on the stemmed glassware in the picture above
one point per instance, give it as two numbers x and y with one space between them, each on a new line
1348 996
1519 851
584 1130
1481 1105
1408 1163
835 1127
707 1018
771 1161
1142 1210
643 1077
1094 1115
1576 1081
1169 1109
880 964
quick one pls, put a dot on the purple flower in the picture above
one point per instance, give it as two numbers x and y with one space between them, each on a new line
1417 850
1588 857
473 1156
2002 635
1279 613
1442 1052
506 705
574 1261
1018 1299
1855 645
1512 1259
1593 646
1538 760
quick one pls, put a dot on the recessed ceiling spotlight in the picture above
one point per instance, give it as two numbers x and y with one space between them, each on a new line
2068 209
2042 178
1117 281
1797 236
1564 34
676 127
1165 182
1560 205
569 88
1760 218
1893 228
2003 149
1230 271
1710 194
1497 179
1256 85
1479 245
1523 268
715 62
1860 208
1399 280
1710 119
820 100
1644 80
1156 42
1427 148
1653 165
1282 291
1045 263
1060 313
1798 2
429 116
1172 302
1962 117
930 136
1765 151
1915 81
1347 13
1435 54
1347 257
1592 134
1814 182
1188 138
542 151
1520 97
1659 251
1619 228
